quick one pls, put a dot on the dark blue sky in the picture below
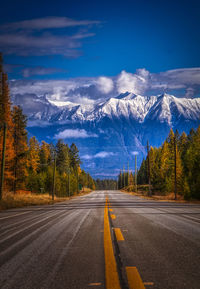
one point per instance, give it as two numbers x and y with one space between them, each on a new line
113 36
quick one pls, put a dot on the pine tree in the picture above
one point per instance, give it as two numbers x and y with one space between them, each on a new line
34 155
45 156
74 156
63 157
142 173
192 163
165 166
5 118
20 148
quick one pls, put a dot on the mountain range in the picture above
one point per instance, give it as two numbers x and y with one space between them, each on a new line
109 134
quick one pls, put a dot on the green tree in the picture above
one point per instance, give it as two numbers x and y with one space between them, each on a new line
74 157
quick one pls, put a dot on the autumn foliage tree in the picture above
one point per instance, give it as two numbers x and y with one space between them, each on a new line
29 164
20 165
180 155
6 119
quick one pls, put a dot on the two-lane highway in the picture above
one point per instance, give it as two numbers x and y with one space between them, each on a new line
64 245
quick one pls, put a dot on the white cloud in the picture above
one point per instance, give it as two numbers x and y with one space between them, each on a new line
48 23
105 84
105 175
83 100
135 83
104 154
74 133
183 75
189 92
134 153
100 155
86 157
20 38
39 123
85 90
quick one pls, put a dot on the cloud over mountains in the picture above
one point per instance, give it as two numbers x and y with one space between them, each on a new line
85 90
74 133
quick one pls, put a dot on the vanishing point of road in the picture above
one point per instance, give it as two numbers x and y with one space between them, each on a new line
106 239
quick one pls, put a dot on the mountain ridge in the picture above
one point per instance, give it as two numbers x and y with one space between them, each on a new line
115 128
135 106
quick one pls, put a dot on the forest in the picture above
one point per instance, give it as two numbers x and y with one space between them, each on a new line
26 164
105 184
172 167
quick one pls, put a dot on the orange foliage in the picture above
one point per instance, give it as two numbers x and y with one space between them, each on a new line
5 117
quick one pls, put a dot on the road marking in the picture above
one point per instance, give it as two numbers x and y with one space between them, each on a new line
118 234
134 279
14 215
113 217
111 274
125 230
111 210
148 283
94 284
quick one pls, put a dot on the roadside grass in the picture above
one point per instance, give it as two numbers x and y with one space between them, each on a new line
26 198
142 191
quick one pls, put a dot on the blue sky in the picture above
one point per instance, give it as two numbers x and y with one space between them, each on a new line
83 50
105 38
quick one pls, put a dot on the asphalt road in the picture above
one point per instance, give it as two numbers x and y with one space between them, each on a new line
62 245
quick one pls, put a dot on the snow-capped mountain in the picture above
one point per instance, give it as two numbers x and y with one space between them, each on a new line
108 133
163 108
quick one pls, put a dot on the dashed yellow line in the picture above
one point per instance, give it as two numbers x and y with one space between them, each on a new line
118 234
134 279
111 274
148 283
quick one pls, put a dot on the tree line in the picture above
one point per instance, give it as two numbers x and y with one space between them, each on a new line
106 184
125 179
30 165
174 166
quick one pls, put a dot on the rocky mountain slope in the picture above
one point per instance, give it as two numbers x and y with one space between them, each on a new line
109 133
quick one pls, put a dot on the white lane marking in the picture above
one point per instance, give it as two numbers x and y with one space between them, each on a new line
14 215
53 213
191 218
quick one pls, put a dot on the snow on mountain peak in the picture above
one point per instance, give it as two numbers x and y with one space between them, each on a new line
164 108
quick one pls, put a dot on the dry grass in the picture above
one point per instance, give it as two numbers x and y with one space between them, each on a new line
143 192
21 199
26 198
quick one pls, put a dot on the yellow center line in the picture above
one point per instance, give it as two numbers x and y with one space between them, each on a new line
113 217
148 283
134 279
118 234
111 274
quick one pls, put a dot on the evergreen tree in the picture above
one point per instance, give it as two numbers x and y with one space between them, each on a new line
193 164
142 173
20 148
6 118
74 157
45 155
34 155
63 157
